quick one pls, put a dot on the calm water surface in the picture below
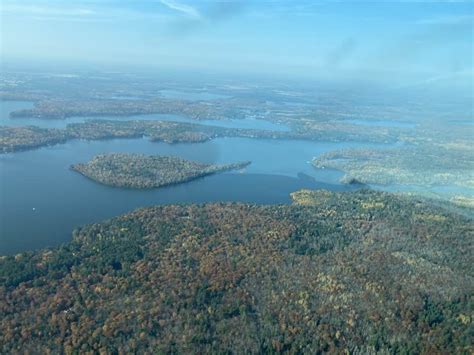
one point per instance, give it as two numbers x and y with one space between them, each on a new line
42 200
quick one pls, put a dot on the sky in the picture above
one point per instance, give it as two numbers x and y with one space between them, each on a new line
421 40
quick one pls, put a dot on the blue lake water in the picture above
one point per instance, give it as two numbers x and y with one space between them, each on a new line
42 200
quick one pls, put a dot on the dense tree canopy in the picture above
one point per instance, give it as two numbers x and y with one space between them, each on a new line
359 272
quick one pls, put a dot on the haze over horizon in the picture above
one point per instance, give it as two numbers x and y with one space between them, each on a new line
414 42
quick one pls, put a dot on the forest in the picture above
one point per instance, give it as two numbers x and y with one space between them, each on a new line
341 272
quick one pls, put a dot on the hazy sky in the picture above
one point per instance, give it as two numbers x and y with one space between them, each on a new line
434 39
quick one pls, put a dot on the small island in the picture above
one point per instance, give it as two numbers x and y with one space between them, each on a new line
140 171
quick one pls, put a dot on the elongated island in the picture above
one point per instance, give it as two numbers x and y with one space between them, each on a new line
140 171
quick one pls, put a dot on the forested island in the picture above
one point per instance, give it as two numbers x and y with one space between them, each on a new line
355 272
14 138
139 171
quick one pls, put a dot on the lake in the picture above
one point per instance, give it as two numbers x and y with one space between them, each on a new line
42 200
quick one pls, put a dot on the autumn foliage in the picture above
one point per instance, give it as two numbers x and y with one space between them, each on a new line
355 272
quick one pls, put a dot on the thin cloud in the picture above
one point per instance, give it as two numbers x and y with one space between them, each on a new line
84 11
182 8
210 15
45 10
341 52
